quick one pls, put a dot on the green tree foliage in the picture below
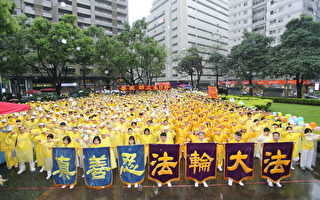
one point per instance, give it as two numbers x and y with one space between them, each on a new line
218 62
251 57
298 54
186 65
8 24
11 45
132 55
194 63
54 47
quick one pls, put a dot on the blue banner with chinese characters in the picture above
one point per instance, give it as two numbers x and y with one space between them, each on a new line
131 163
201 161
164 160
238 161
276 160
64 168
97 167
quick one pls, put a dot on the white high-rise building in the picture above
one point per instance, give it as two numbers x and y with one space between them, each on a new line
267 17
179 24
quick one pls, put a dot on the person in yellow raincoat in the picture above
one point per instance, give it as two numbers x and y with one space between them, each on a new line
219 138
39 133
237 138
201 139
66 142
308 149
47 146
164 140
275 138
24 151
295 137
7 146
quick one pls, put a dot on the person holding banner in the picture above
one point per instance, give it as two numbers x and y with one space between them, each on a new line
47 153
308 149
237 139
164 140
264 137
24 150
96 142
67 143
275 139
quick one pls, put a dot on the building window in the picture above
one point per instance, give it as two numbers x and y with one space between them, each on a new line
175 44
280 20
273 21
175 28
280 9
174 19
272 32
245 21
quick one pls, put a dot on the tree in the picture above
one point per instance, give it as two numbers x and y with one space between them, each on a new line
251 57
85 55
218 61
196 62
8 24
12 65
52 48
298 54
132 55
151 57
186 65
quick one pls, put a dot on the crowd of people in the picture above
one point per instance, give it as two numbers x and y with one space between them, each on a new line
167 117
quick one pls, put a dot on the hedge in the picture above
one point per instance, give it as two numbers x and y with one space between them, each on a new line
314 102
260 104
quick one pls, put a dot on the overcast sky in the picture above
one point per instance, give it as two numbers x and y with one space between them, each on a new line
138 9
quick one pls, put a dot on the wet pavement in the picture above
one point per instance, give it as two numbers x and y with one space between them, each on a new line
301 185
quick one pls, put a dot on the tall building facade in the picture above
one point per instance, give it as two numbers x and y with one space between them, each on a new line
180 24
267 17
109 14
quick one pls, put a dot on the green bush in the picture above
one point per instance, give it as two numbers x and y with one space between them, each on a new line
254 102
314 102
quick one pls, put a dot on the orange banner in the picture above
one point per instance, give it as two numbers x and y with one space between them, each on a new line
212 92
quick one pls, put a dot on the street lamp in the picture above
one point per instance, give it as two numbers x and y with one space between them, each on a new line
63 4
64 41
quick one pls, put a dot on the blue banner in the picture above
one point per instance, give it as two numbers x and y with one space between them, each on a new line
97 167
64 169
131 163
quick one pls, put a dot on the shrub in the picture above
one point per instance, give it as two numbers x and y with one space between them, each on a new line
255 102
314 102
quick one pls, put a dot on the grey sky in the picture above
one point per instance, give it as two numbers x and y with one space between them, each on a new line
138 9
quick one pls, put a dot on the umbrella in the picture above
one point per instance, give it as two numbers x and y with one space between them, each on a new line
185 86
33 91
48 90
7 108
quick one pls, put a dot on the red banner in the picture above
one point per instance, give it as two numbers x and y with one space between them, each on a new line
126 88
265 82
